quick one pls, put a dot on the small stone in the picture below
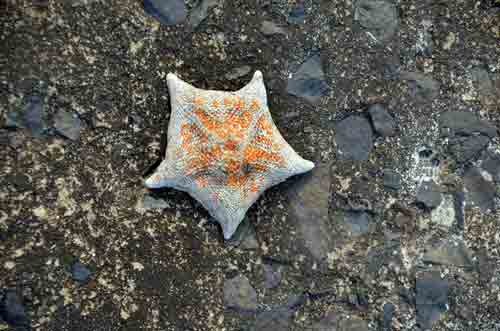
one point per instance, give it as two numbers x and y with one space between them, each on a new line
239 294
12 310
308 81
479 191
392 180
272 275
357 223
274 320
429 194
449 253
382 121
67 124
354 138
297 15
238 72
491 165
152 202
422 87
245 236
431 300
387 316
378 16
200 12
269 28
30 118
79 272
453 123
485 87
169 12
425 44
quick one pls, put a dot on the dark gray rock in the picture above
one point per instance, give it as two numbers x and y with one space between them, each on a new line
269 28
309 204
484 86
354 138
297 15
429 194
466 148
382 121
479 191
387 316
491 165
378 16
200 12
79 272
169 12
454 123
238 72
357 223
308 81
448 252
30 117
274 320
422 87
245 236
431 300
272 275
151 202
239 294
67 124
12 310
392 180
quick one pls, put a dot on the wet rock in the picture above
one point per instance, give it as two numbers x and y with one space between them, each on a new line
269 28
479 191
387 316
238 72
200 12
382 121
491 165
30 117
12 310
354 138
275 320
309 204
297 15
239 294
67 124
454 123
392 180
308 81
378 16
272 275
357 223
169 12
484 87
463 149
245 236
431 300
421 87
429 194
79 272
448 252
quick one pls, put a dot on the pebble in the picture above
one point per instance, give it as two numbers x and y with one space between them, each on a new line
79 272
429 194
387 316
431 300
269 28
238 72
169 12
239 294
31 116
297 15
379 17
422 87
308 81
354 138
382 121
491 165
68 124
272 275
448 252
200 12
12 310
357 223
274 320
392 180
479 191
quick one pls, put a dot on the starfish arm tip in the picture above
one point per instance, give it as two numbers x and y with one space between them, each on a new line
171 76
257 74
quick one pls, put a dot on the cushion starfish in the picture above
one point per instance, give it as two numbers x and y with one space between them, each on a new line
224 149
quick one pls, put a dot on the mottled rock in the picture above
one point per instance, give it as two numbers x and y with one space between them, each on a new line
269 28
239 294
67 124
297 15
151 202
388 312
275 320
79 272
272 275
308 81
169 12
309 204
245 236
479 191
491 165
484 86
392 180
238 72
425 44
446 214
333 322
200 12
378 16
30 117
354 138
422 87
429 194
448 252
12 310
453 123
382 121
431 300
357 223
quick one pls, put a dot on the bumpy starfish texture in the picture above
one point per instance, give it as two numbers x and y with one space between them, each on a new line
224 149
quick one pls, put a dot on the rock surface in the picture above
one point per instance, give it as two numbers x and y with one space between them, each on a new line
354 138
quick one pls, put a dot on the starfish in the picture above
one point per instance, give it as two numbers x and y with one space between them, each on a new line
224 149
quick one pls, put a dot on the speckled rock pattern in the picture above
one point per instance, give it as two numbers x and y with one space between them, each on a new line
157 261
